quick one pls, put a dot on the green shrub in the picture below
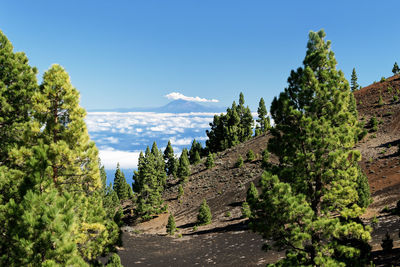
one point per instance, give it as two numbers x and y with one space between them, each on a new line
246 212
383 79
114 261
373 124
239 162
210 161
228 214
204 217
380 101
395 98
390 89
265 159
171 226
181 192
250 155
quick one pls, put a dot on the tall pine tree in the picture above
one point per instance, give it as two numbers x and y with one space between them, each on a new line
171 163
395 69
263 119
184 166
309 205
354 84
120 186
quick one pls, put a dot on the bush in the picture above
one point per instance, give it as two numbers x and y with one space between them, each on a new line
204 217
181 192
373 124
210 161
395 98
171 227
387 242
390 89
239 162
250 155
252 195
380 101
114 261
265 159
383 79
246 212
228 214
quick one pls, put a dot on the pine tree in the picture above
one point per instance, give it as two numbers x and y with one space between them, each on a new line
246 120
181 192
239 162
114 261
309 205
204 217
171 164
120 186
354 85
184 166
171 227
252 195
250 155
17 87
263 119
194 152
210 161
149 183
395 69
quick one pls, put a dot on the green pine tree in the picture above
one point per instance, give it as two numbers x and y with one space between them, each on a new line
239 162
395 69
310 204
250 155
204 217
210 161
263 119
184 166
171 164
114 261
171 227
149 183
194 152
17 87
120 186
252 195
354 85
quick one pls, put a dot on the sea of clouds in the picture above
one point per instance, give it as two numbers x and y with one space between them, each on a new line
120 136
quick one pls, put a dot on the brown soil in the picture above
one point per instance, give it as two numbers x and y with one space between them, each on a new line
227 240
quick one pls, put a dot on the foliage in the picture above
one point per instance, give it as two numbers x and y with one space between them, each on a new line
239 162
252 195
114 261
230 129
184 166
171 227
204 217
181 192
120 186
210 161
150 181
250 156
263 119
354 85
246 212
373 124
395 69
171 163
195 152
309 205
265 159
380 101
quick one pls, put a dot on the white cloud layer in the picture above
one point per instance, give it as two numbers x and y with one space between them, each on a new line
176 96
126 159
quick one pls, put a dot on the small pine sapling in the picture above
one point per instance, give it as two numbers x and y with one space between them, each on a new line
246 212
210 161
181 192
204 217
250 156
171 226
239 162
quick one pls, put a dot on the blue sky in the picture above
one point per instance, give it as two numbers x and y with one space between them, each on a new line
133 53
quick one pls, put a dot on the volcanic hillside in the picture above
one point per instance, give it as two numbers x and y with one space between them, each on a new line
227 240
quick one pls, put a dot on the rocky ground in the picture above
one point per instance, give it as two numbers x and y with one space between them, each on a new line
227 241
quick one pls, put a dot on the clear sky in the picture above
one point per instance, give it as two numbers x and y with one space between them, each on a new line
132 53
